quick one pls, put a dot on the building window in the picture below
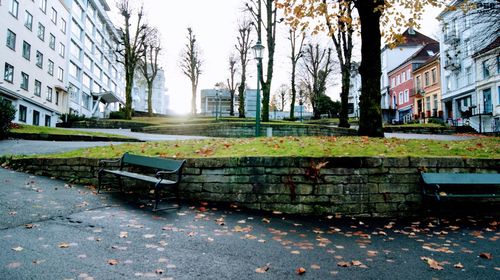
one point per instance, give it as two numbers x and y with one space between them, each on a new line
401 101
486 70
407 96
428 103
25 79
39 59
36 117
57 97
75 50
60 74
14 7
87 62
418 83
41 31
403 77
8 74
88 43
38 88
86 101
86 81
63 26
49 94
28 21
50 64
53 16
11 40
26 50
47 120
22 113
498 64
468 74
52 41
43 6
74 71
434 75
426 79
435 100
62 49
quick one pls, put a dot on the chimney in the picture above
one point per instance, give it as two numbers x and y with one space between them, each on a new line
411 31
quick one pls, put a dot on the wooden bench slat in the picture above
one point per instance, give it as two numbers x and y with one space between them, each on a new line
460 179
160 163
142 177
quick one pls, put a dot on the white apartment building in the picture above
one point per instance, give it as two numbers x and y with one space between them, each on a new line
487 112
354 91
211 101
160 99
95 79
463 35
33 56
391 58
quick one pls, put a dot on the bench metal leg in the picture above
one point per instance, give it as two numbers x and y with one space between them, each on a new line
99 175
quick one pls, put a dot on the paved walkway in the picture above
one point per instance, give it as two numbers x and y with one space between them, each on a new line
51 230
140 135
32 147
429 136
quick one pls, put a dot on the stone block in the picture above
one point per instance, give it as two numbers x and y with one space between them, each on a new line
303 189
396 162
398 188
372 162
312 199
274 198
328 189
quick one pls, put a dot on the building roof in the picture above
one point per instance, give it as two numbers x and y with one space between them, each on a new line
413 38
493 45
428 61
423 54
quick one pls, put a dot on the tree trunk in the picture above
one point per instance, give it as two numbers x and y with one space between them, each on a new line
370 122
193 99
231 110
241 99
344 96
294 94
150 97
128 94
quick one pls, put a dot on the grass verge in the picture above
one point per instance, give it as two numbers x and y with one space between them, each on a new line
486 147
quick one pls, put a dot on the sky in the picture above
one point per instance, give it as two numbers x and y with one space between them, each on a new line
215 25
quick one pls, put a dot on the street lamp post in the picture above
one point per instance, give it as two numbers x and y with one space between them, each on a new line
217 89
258 54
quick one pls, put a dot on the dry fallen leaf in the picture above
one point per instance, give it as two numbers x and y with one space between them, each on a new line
344 264
487 256
295 252
432 263
356 263
29 226
123 234
112 262
159 271
459 265
265 220
300 270
18 249
63 245
263 269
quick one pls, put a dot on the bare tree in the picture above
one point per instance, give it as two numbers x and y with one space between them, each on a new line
296 55
265 18
149 64
318 66
243 46
231 83
191 65
130 48
281 95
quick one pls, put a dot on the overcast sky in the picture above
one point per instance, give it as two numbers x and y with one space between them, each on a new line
215 23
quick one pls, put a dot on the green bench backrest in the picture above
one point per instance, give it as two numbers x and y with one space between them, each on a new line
152 162
461 179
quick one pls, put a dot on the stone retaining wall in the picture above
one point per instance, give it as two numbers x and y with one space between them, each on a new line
247 130
109 124
358 186
420 130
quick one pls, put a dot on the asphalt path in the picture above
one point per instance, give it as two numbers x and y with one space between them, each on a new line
140 135
52 230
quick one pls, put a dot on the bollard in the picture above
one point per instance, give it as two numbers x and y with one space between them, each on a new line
269 132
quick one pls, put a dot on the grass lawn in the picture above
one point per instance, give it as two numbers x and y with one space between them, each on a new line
486 147
59 131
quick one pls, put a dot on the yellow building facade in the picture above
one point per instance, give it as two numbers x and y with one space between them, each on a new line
427 79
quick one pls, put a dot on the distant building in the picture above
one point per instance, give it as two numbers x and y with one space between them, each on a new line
462 83
486 115
354 91
95 80
212 100
392 57
160 99
33 59
402 90
427 84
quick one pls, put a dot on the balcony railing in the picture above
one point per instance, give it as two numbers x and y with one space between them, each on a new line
451 38
452 64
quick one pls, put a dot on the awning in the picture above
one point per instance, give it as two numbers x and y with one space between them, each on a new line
108 97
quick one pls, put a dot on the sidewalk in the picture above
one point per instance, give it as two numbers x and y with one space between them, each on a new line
51 230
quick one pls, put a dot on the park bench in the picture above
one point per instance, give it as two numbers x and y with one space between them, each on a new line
447 186
168 173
